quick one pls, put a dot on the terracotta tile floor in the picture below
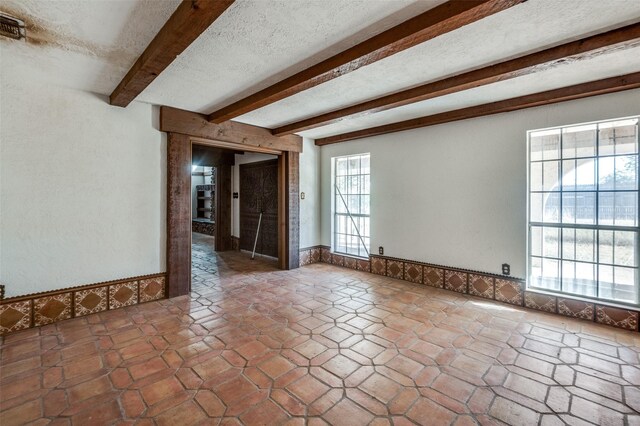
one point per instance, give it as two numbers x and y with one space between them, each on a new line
322 344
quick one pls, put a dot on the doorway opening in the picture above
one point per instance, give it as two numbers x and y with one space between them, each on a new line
183 152
234 210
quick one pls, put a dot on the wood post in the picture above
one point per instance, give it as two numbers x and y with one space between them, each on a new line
223 208
178 214
289 210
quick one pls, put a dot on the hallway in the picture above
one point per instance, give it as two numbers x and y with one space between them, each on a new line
207 265
320 344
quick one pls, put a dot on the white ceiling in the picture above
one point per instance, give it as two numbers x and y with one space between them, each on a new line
90 45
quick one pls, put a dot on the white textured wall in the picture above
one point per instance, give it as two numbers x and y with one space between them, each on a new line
455 194
310 185
82 188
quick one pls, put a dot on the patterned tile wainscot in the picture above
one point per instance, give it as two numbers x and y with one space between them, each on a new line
489 286
35 310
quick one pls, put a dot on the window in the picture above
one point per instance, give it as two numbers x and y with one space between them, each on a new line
583 210
351 197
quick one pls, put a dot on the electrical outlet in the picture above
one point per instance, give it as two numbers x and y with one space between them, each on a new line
380 250
506 269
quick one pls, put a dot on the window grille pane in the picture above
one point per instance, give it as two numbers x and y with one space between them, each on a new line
551 212
579 141
550 175
578 175
579 207
618 173
550 278
618 137
584 184
579 244
551 242
579 278
545 145
618 208
535 241
535 177
341 167
536 272
535 207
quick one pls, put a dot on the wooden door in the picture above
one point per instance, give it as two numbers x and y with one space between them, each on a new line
259 193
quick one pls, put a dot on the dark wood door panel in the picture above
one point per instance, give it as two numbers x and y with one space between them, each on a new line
259 193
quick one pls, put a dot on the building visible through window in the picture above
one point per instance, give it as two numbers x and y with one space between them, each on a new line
583 210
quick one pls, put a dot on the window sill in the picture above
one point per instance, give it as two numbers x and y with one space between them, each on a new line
353 256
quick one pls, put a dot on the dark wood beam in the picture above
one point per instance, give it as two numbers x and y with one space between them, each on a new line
587 48
239 136
426 26
189 20
578 91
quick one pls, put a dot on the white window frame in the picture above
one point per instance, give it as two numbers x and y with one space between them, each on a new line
356 216
596 227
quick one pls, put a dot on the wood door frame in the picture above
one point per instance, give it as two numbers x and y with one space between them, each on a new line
179 215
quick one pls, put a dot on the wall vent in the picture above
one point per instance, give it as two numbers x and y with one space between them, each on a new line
12 27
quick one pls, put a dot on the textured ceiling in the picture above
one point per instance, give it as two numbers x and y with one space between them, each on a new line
90 45
86 45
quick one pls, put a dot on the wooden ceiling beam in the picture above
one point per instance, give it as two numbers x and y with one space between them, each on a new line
584 49
578 91
190 19
426 26
230 134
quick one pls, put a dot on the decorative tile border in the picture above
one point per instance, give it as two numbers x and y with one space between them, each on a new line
413 272
433 277
50 309
481 285
489 286
15 316
455 281
124 294
378 265
395 269
151 289
38 309
617 317
541 302
509 291
91 301
575 308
